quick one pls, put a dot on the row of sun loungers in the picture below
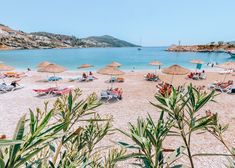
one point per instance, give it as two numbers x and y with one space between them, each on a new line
14 75
53 91
82 79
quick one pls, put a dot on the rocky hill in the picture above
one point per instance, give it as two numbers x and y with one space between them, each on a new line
203 48
14 39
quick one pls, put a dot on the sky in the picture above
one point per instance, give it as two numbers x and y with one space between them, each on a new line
149 22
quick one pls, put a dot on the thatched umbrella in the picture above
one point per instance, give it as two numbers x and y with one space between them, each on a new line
52 68
156 64
85 66
175 70
198 63
43 64
4 67
114 64
112 71
227 66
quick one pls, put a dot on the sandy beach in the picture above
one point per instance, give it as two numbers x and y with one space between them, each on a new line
136 97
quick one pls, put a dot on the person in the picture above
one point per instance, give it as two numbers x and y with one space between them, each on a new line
14 83
84 75
90 73
148 76
28 69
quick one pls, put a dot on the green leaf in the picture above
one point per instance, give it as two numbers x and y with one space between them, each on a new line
32 122
28 157
173 156
18 135
6 142
2 163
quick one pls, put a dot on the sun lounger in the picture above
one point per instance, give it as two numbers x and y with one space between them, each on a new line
112 79
225 72
231 90
119 79
108 95
223 89
62 91
74 79
89 78
45 91
54 78
202 76
8 88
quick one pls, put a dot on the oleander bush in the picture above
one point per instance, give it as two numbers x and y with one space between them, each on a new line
64 136
179 117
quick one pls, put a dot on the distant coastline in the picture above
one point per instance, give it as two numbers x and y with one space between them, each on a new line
11 39
220 48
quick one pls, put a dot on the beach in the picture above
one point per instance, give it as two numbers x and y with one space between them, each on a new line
137 95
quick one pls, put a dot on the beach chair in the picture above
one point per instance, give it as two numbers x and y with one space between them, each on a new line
119 79
231 90
104 95
45 91
112 79
202 76
9 88
89 78
62 91
74 79
54 78
223 89
196 77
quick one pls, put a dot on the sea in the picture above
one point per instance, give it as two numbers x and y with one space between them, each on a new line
130 58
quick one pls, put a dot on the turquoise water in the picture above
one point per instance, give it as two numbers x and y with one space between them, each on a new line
99 57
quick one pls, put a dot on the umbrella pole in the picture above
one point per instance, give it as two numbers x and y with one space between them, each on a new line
55 81
2 78
225 76
111 82
172 78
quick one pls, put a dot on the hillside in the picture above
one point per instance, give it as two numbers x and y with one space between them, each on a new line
108 41
14 39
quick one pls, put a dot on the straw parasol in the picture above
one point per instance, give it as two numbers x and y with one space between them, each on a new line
114 64
110 71
52 68
4 67
113 71
228 66
85 66
155 63
175 70
43 64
